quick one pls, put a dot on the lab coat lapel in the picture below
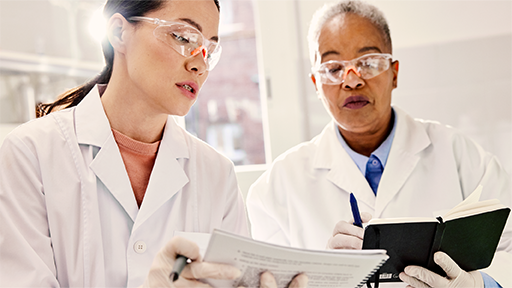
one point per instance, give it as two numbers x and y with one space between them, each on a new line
343 172
109 167
93 128
410 139
168 176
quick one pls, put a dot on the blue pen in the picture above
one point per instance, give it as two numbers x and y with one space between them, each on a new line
355 211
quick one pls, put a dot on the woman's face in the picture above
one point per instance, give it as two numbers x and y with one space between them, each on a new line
158 72
361 106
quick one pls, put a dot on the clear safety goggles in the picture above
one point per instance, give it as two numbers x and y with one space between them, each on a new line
366 67
185 39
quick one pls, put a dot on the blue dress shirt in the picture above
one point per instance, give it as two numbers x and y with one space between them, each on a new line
381 153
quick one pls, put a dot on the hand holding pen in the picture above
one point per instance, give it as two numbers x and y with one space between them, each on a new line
173 257
349 235
179 264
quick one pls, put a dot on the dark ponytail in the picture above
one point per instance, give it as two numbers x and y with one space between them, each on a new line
127 8
73 96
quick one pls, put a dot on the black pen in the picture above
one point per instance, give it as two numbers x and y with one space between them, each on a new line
179 264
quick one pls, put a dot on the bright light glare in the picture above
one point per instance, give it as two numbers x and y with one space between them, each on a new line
97 25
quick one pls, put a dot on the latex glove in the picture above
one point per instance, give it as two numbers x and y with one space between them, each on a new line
161 268
267 280
420 277
348 236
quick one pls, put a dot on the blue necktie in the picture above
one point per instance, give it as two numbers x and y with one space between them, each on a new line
373 172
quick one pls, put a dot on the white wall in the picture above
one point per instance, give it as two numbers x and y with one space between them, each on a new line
474 97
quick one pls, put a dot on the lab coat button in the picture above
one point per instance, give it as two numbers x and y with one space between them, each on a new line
139 247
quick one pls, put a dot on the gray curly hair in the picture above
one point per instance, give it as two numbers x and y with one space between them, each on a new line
329 11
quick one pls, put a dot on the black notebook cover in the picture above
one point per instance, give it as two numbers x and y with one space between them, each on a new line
470 241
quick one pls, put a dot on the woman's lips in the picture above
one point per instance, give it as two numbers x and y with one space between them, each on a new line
190 89
356 102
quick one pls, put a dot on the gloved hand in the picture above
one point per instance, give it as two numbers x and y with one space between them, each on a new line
348 236
161 268
267 280
420 277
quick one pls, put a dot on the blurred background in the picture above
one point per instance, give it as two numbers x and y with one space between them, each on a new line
455 67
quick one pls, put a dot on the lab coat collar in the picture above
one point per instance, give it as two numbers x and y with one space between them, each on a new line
410 140
93 128
168 176
91 122
343 171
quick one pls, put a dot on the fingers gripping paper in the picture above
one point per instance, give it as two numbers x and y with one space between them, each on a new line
324 268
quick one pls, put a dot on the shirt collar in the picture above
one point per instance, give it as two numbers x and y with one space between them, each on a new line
382 152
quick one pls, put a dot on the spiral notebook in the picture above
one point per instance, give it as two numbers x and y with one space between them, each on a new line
324 268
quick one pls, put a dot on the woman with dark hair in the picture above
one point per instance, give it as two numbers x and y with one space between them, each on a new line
90 193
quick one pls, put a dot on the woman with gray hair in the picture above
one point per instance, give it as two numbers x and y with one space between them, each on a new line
396 166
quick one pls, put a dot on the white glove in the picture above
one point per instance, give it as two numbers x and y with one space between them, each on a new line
348 236
161 268
420 277
267 280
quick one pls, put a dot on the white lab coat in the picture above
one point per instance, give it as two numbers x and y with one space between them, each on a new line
430 169
68 213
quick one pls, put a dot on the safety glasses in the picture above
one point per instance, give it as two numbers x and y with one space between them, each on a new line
185 39
366 67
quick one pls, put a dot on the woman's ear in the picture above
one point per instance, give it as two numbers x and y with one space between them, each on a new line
116 30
